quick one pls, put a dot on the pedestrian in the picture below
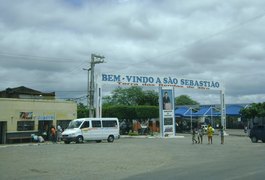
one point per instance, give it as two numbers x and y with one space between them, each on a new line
59 133
210 132
53 134
193 136
221 130
200 135
245 129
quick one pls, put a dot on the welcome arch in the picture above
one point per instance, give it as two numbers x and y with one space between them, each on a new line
166 86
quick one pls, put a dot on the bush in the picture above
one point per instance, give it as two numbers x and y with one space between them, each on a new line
133 134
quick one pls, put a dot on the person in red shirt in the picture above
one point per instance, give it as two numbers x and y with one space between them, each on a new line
53 134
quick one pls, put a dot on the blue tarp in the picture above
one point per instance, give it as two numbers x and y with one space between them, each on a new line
231 110
206 111
182 111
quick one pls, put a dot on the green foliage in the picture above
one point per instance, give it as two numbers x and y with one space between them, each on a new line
145 112
150 98
131 112
185 100
133 134
119 111
254 110
131 96
82 111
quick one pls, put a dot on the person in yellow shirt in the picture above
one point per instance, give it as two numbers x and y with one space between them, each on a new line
210 134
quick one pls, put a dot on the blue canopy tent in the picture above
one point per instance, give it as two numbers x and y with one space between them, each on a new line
203 111
182 111
207 111
206 114
233 110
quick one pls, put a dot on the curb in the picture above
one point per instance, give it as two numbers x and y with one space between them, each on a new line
151 137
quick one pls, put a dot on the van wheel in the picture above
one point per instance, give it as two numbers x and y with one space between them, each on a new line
66 142
111 138
254 139
79 139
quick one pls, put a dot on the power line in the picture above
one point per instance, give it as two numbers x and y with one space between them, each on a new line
37 58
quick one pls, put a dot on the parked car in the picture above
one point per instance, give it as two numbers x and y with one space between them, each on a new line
257 133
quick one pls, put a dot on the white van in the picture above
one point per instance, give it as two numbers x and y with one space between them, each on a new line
96 129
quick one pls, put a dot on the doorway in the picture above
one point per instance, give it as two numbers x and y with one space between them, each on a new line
44 129
3 128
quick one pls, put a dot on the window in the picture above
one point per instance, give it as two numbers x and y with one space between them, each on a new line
96 124
109 123
74 124
85 124
25 125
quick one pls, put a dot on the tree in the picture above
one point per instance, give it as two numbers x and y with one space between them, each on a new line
150 98
131 103
119 111
185 100
131 96
146 112
254 110
82 111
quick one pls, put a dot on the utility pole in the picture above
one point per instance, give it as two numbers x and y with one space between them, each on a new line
88 90
95 59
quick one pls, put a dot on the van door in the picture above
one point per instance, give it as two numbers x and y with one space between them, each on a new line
85 130
96 130
110 127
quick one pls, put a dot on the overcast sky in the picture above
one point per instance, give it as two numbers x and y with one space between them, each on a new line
45 45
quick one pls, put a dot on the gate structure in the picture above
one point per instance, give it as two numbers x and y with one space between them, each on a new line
166 86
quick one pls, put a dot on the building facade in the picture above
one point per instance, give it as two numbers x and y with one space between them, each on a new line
24 115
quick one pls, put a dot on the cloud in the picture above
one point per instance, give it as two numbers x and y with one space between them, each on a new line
46 44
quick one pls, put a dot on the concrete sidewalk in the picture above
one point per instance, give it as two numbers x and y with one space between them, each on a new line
228 132
236 132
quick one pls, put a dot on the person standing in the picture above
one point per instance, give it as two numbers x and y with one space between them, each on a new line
53 134
221 130
193 136
210 134
59 133
200 135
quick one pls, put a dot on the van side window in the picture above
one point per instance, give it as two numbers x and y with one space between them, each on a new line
109 123
96 124
85 124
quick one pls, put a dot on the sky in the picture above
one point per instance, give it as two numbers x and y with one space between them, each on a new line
44 45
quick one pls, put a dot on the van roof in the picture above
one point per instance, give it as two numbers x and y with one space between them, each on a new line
104 118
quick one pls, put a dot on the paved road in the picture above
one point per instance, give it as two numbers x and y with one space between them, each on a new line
136 158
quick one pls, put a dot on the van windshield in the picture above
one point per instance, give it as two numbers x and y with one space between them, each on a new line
74 124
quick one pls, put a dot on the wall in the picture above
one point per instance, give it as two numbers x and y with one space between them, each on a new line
10 111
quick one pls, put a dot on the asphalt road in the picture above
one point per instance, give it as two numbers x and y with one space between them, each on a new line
136 158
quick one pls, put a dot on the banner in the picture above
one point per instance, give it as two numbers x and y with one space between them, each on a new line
167 111
166 81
